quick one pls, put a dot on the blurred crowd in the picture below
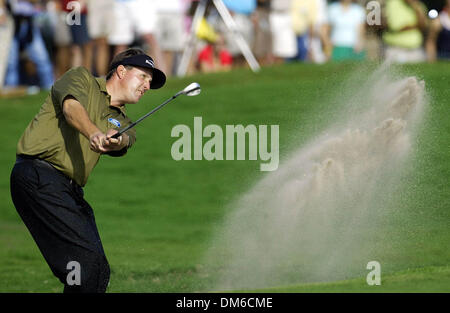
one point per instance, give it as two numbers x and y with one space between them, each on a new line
42 39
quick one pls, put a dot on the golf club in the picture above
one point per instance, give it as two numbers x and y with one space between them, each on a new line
191 90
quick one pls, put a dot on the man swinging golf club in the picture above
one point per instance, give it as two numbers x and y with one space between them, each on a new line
58 151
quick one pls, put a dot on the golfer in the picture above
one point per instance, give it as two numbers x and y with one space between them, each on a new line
57 152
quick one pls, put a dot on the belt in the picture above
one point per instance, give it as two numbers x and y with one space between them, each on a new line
23 158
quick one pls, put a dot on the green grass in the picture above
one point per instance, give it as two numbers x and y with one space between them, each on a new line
156 216
428 279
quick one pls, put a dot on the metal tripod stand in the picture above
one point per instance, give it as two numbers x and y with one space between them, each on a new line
229 23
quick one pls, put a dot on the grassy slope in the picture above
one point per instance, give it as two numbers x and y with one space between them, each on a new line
156 215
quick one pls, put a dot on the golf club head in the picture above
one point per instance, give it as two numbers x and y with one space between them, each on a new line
192 90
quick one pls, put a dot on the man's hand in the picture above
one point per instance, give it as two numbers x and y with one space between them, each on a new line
97 142
115 144
101 143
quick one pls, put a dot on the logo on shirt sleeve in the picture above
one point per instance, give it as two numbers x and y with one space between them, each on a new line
114 122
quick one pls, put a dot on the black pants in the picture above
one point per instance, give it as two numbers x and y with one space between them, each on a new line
62 223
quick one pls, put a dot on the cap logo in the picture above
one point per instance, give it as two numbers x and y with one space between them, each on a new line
149 62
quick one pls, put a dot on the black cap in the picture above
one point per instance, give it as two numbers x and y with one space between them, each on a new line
143 60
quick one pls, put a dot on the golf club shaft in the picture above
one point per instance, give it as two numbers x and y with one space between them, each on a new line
117 135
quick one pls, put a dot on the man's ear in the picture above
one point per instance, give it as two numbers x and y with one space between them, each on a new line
121 71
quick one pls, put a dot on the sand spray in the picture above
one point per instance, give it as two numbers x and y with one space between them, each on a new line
314 218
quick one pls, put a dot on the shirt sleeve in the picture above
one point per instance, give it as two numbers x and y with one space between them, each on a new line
75 83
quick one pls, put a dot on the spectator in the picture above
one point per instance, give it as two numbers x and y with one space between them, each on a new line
346 26
213 56
303 13
283 36
262 43
62 39
100 21
6 36
319 46
81 42
136 16
438 41
405 22
28 38
170 31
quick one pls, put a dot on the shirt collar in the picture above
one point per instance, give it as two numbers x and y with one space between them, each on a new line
102 84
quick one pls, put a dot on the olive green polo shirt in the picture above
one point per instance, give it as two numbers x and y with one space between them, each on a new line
51 138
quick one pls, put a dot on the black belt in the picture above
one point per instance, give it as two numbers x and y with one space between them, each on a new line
23 158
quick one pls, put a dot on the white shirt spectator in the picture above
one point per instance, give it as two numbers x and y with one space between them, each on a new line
345 24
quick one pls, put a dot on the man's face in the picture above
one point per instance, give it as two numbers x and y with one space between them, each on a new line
136 82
